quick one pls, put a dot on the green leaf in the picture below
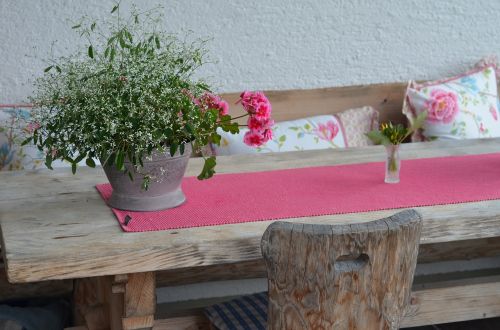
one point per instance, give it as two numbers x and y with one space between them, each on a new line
76 26
91 51
73 168
157 42
112 54
115 8
208 170
181 148
92 26
120 160
130 176
26 141
378 138
47 69
136 19
80 158
282 138
58 69
90 162
48 161
173 148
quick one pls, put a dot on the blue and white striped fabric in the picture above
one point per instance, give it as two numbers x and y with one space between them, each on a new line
245 313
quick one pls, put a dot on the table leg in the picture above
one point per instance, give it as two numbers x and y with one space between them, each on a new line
117 302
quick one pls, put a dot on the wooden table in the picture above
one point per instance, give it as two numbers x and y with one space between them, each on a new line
55 226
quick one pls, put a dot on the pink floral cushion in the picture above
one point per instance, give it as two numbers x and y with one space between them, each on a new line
345 129
462 107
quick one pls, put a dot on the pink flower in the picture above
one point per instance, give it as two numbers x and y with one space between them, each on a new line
33 127
256 103
253 138
327 131
443 107
256 124
209 101
268 135
494 112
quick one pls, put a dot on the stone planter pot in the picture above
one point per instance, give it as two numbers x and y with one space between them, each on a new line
164 190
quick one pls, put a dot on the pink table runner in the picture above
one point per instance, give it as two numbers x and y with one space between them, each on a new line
314 191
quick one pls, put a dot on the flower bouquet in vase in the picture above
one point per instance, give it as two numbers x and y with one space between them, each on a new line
391 136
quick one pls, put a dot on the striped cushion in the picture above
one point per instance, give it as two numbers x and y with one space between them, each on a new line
247 313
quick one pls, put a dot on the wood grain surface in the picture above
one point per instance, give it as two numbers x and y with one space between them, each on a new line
55 225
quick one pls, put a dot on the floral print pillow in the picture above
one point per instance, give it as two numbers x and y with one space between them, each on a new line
463 107
13 129
319 132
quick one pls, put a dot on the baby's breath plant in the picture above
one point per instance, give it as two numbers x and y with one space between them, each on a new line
129 92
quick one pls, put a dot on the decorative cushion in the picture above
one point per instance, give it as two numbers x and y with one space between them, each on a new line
246 312
345 129
357 122
14 128
462 107
319 132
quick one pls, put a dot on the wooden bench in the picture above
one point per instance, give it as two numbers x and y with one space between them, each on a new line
81 240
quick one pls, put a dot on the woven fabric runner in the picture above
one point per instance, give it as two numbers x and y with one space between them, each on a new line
314 191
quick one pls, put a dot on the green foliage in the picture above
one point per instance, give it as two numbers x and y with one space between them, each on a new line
395 134
126 93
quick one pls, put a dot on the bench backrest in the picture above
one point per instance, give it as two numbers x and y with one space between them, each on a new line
295 104
355 276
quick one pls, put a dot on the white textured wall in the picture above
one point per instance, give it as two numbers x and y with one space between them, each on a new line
277 44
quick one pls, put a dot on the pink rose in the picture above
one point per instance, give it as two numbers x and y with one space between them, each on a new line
327 131
263 111
253 139
443 107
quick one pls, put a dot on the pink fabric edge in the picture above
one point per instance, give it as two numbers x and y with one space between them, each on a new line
342 129
16 105
418 86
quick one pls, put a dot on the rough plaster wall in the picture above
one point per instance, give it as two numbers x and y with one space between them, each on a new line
277 44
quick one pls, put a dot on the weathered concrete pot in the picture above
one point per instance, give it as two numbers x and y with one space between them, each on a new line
164 190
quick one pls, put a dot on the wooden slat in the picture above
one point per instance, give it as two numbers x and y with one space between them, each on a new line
294 104
72 233
456 301
436 303
460 250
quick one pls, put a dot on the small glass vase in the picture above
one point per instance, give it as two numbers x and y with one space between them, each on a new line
392 163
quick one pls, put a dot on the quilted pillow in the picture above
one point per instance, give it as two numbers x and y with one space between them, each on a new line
462 107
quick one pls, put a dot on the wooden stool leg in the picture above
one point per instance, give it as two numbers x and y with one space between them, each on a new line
117 302
139 301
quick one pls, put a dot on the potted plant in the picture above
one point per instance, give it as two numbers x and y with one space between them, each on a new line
391 136
130 101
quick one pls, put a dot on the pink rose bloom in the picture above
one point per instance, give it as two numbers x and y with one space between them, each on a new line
443 107
327 131
494 112
253 139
